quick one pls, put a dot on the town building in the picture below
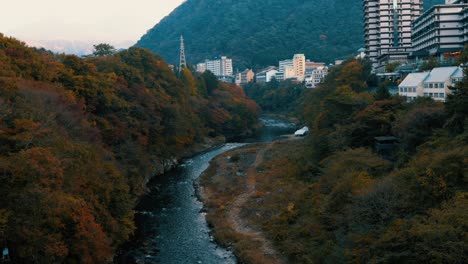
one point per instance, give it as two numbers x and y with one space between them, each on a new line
299 63
285 64
243 78
294 68
313 65
434 84
285 74
387 28
361 53
441 32
201 67
315 76
412 86
220 67
266 75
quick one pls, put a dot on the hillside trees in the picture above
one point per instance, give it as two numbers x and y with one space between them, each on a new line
257 34
103 49
456 104
350 205
79 138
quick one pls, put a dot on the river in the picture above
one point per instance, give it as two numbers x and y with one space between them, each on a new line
170 225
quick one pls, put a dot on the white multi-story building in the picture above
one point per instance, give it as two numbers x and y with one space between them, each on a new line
387 26
284 64
442 29
267 74
285 74
434 84
220 67
292 69
315 76
412 86
201 67
226 66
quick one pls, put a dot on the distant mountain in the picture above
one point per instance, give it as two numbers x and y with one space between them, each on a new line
259 33
74 47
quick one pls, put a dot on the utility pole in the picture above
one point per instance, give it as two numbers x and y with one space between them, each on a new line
182 62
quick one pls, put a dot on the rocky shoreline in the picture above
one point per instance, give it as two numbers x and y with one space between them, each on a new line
224 188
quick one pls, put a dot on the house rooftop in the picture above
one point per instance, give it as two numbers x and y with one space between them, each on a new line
414 79
458 73
267 69
440 74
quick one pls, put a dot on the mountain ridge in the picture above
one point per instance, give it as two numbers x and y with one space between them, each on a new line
256 34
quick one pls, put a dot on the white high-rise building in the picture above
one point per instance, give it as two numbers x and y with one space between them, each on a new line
443 29
387 26
226 66
219 67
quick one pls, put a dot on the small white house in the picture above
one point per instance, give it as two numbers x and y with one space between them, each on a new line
434 84
437 84
412 85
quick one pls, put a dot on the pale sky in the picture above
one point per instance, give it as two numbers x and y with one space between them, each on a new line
110 21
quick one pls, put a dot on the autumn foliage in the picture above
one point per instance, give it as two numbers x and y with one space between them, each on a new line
332 197
79 138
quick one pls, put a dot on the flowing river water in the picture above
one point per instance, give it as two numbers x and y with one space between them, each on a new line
171 229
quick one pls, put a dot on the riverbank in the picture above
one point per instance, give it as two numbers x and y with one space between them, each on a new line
233 192
171 224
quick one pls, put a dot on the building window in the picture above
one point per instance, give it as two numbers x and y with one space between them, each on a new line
426 94
425 85
430 85
441 95
435 85
441 85
405 90
414 90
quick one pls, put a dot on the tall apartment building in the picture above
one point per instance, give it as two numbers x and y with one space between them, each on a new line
387 26
226 66
219 67
299 62
442 30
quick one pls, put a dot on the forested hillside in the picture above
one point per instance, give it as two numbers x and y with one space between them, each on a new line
79 139
335 196
259 33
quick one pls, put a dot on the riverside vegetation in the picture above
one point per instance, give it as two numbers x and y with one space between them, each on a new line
79 139
330 198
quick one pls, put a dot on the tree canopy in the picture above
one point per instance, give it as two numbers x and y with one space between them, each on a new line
103 49
79 138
